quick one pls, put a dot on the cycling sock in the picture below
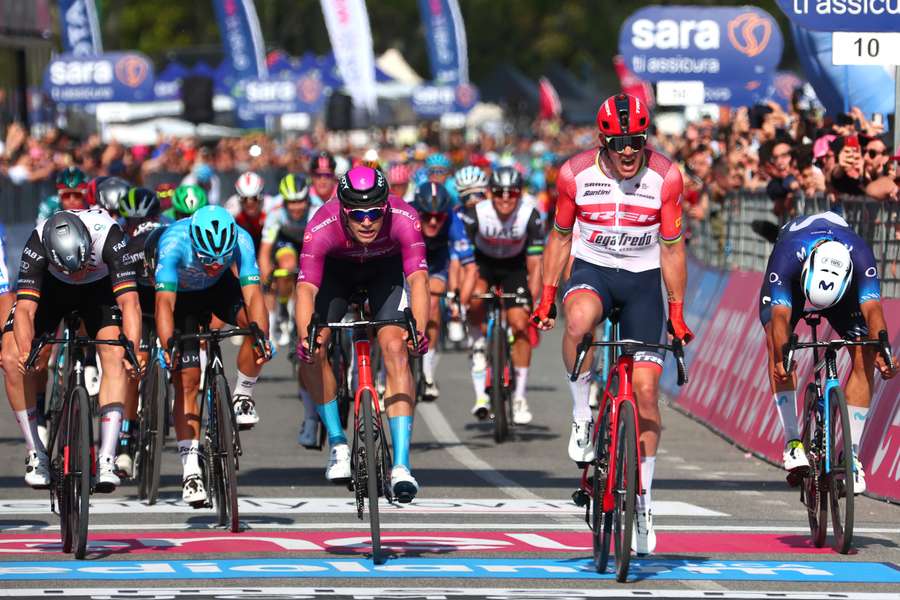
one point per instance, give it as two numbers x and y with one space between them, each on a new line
27 420
273 319
581 397
521 381
203 358
309 407
858 415
429 362
648 463
401 432
244 384
329 415
189 450
110 425
479 379
125 434
40 405
786 403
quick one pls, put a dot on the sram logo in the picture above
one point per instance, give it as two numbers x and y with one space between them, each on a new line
669 34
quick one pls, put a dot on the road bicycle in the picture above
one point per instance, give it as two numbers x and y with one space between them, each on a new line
73 460
154 396
611 482
370 455
500 379
221 448
825 433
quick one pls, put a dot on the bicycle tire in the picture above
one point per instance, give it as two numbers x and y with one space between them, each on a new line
225 421
625 487
80 469
368 435
157 430
601 523
840 479
498 408
811 490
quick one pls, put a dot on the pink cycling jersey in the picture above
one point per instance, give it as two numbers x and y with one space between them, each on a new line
620 222
326 237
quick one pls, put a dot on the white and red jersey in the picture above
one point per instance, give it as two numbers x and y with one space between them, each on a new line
620 222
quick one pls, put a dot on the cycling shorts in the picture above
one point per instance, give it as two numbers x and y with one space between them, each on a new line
382 279
439 263
638 296
194 309
845 317
511 274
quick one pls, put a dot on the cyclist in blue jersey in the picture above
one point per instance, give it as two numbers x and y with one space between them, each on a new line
448 252
206 265
818 261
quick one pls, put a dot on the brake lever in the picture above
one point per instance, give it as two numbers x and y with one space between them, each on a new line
312 334
886 352
580 354
260 341
36 346
130 356
411 331
678 352
788 351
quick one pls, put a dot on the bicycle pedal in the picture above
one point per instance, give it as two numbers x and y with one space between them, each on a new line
795 478
580 498
581 464
200 504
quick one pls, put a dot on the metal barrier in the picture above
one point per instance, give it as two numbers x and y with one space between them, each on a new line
733 237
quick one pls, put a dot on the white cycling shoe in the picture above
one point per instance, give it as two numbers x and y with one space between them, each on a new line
581 443
107 480
794 456
521 413
482 408
338 469
859 476
643 537
403 484
192 490
431 392
245 411
37 470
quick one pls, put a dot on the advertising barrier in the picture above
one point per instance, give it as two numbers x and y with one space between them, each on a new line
110 77
431 101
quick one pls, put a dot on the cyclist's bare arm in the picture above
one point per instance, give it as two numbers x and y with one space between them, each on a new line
264 260
672 258
533 264
165 318
467 286
23 328
673 263
256 307
304 303
556 255
873 313
131 321
780 332
420 297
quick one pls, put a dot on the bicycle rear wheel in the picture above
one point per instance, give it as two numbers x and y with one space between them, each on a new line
840 479
601 522
152 431
76 485
812 492
498 394
369 433
226 454
625 487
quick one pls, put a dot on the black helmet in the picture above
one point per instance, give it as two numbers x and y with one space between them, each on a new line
362 187
506 178
431 197
67 242
139 203
110 192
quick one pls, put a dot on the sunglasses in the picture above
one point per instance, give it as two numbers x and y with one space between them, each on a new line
876 153
361 214
210 261
323 175
438 171
438 217
510 192
473 197
618 143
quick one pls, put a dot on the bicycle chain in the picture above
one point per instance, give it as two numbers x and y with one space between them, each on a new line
360 481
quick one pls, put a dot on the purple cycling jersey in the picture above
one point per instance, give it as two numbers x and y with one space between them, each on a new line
326 236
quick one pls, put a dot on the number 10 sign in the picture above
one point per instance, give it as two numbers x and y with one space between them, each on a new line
849 48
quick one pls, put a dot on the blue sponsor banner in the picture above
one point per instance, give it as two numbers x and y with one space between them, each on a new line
79 27
259 97
445 35
432 101
740 93
843 15
493 568
701 43
241 37
110 77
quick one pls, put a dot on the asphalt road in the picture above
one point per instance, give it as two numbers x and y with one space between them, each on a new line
490 521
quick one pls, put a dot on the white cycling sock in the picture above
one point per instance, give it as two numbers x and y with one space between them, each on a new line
786 403
273 319
858 415
309 407
429 362
189 450
521 381
581 397
244 384
27 420
648 464
110 425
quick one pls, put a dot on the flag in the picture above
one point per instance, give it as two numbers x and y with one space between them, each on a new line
445 34
79 27
549 106
632 84
351 39
242 39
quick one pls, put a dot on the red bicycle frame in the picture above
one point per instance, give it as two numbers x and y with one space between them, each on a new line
363 350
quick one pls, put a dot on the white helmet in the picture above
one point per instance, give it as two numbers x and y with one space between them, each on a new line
827 272
249 185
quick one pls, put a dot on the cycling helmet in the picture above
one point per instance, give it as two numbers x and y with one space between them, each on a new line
505 178
470 179
437 160
188 199
623 114
431 198
150 246
249 185
139 203
398 174
165 192
71 178
362 187
90 191
110 193
67 241
826 274
293 187
323 162
213 232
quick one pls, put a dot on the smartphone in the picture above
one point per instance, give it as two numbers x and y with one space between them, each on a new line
852 141
877 119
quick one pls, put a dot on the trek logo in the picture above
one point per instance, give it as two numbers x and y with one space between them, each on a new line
634 218
743 31
622 240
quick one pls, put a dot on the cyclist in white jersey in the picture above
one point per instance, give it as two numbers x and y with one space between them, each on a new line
626 198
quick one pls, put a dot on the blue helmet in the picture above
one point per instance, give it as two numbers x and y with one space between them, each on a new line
432 198
213 232
438 160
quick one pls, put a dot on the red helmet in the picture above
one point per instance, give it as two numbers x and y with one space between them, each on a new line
623 114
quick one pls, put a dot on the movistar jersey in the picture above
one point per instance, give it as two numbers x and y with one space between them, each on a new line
178 269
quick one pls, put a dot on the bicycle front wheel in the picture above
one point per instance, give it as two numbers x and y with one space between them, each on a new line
76 488
369 432
152 432
840 478
226 454
601 522
812 491
625 487
498 393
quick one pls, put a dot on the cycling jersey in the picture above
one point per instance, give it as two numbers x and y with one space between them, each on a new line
326 236
178 268
252 225
280 221
520 233
107 258
450 243
134 252
620 221
4 269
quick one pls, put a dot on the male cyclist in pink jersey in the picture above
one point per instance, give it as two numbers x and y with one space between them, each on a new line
626 198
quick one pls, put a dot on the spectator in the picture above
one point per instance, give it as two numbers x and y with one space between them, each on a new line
846 177
776 157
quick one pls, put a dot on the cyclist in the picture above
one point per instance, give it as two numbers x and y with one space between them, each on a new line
625 198
472 184
364 239
186 200
818 259
110 193
194 278
445 242
75 261
398 178
141 216
71 185
439 168
509 239
324 181
247 206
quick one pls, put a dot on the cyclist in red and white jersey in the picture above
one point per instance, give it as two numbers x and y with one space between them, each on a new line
626 199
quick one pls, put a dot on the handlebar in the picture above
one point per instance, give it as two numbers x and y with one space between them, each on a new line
883 344
45 340
630 347
408 321
497 296
253 330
